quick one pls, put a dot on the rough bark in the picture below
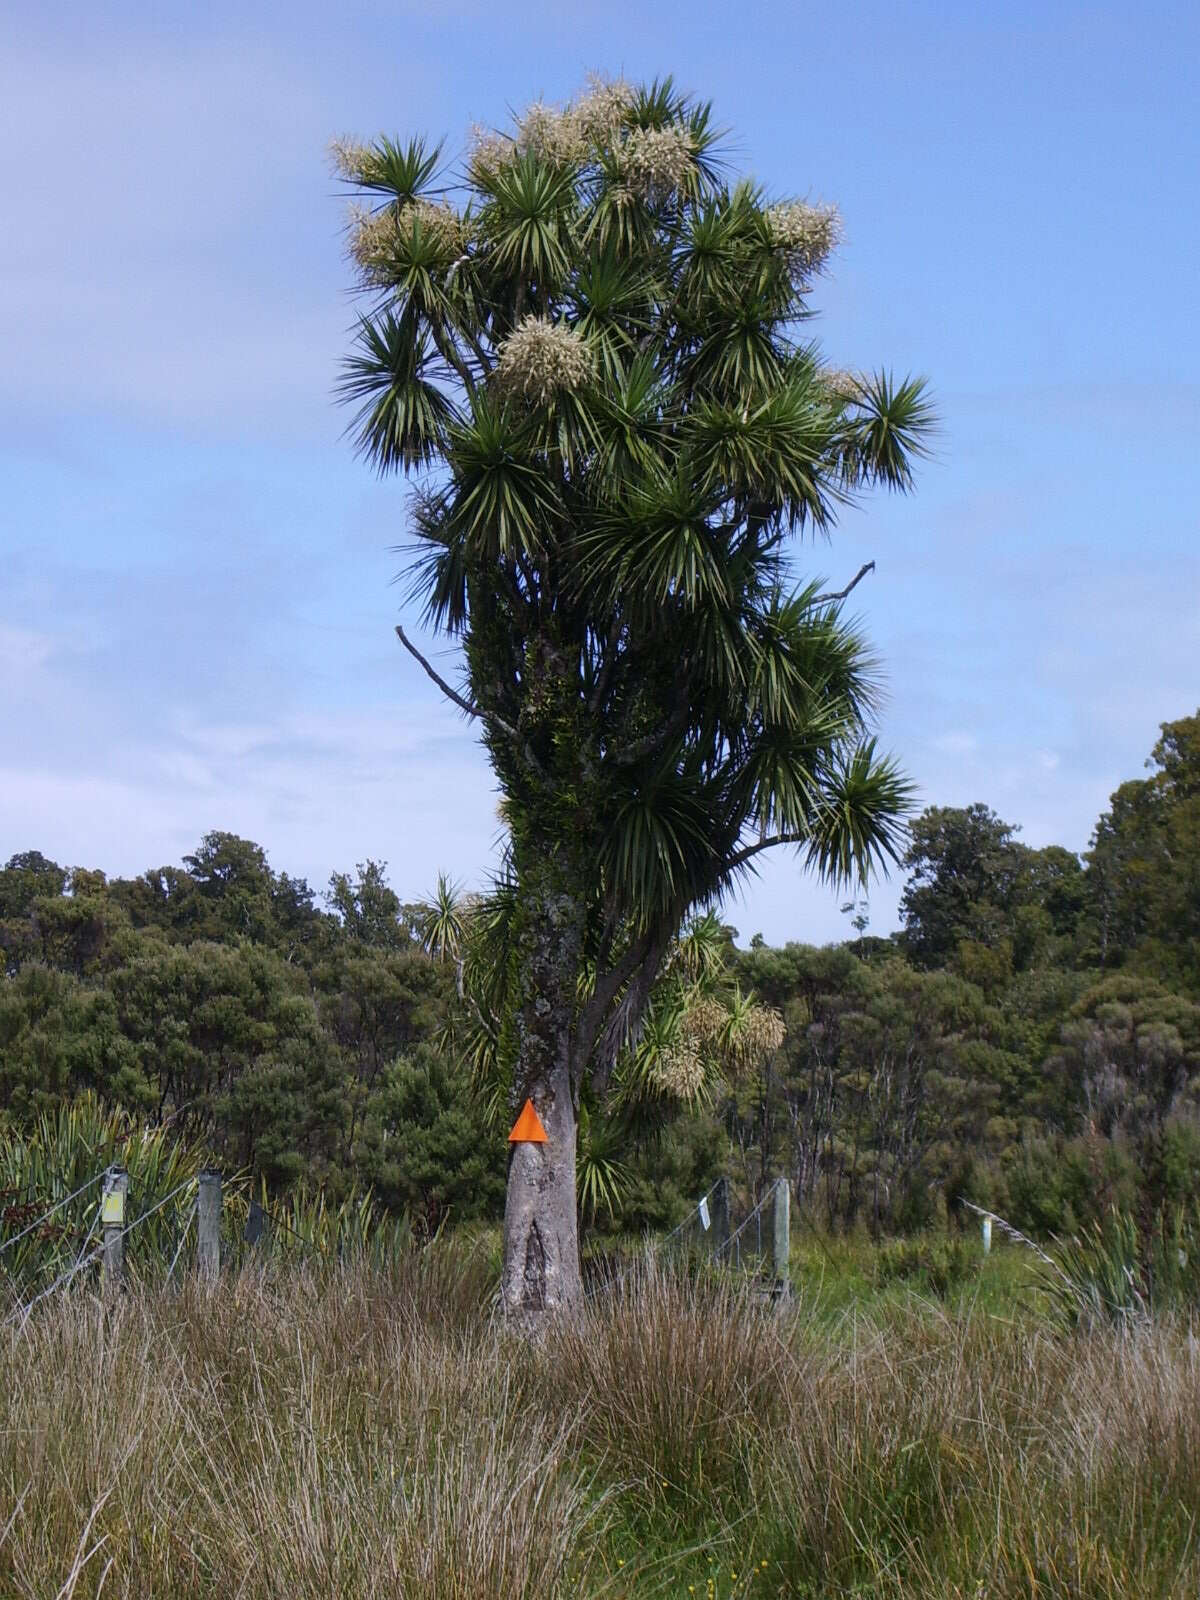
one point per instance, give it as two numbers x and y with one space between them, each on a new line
541 1234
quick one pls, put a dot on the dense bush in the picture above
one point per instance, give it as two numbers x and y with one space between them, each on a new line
1048 1067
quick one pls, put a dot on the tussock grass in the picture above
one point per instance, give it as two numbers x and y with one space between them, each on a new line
356 1432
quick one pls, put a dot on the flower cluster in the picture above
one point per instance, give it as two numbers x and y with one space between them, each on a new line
705 1020
371 241
442 222
541 359
487 152
842 385
806 234
759 1036
564 135
352 161
552 134
679 1070
657 161
376 238
603 108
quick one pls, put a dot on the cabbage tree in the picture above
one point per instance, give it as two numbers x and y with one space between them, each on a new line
588 345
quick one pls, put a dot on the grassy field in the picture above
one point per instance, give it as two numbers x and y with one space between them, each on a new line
902 1428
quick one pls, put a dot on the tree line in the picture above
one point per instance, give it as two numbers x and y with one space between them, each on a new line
1029 1039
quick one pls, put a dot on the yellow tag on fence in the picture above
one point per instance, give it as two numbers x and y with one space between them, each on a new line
112 1208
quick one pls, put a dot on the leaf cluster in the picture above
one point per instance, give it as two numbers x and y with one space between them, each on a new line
592 346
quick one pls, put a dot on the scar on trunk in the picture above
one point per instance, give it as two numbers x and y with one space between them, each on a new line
533 1295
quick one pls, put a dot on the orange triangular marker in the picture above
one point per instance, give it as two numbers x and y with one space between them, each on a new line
528 1127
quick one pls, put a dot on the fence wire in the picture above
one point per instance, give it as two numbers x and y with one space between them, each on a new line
754 1215
721 1248
86 1261
46 1215
697 1215
183 1233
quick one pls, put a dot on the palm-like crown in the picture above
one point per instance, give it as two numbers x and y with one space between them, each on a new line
592 350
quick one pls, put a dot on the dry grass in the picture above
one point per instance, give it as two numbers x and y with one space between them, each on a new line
357 1433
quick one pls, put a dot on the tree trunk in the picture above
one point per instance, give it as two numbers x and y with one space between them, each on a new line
541 1232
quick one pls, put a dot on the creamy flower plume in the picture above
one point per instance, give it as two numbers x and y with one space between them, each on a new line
842 385
602 108
541 359
375 239
679 1071
704 1020
759 1035
351 160
712 1038
806 234
552 134
657 161
487 152
567 134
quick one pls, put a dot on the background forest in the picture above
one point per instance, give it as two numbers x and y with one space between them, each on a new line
1029 1040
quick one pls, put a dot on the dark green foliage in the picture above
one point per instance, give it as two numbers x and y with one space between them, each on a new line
978 898
221 1000
1144 865
885 1076
328 1046
424 1147
667 1175
60 1038
1051 1185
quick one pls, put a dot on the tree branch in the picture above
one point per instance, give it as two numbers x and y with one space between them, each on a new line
451 694
449 354
488 717
651 743
624 1025
764 844
490 1027
858 577
607 667
608 985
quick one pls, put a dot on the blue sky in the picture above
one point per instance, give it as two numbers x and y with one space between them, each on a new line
196 609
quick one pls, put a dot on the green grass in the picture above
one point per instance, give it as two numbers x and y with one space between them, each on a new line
913 1423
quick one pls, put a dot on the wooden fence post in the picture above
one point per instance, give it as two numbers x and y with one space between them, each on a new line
112 1216
782 1242
720 1216
208 1225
